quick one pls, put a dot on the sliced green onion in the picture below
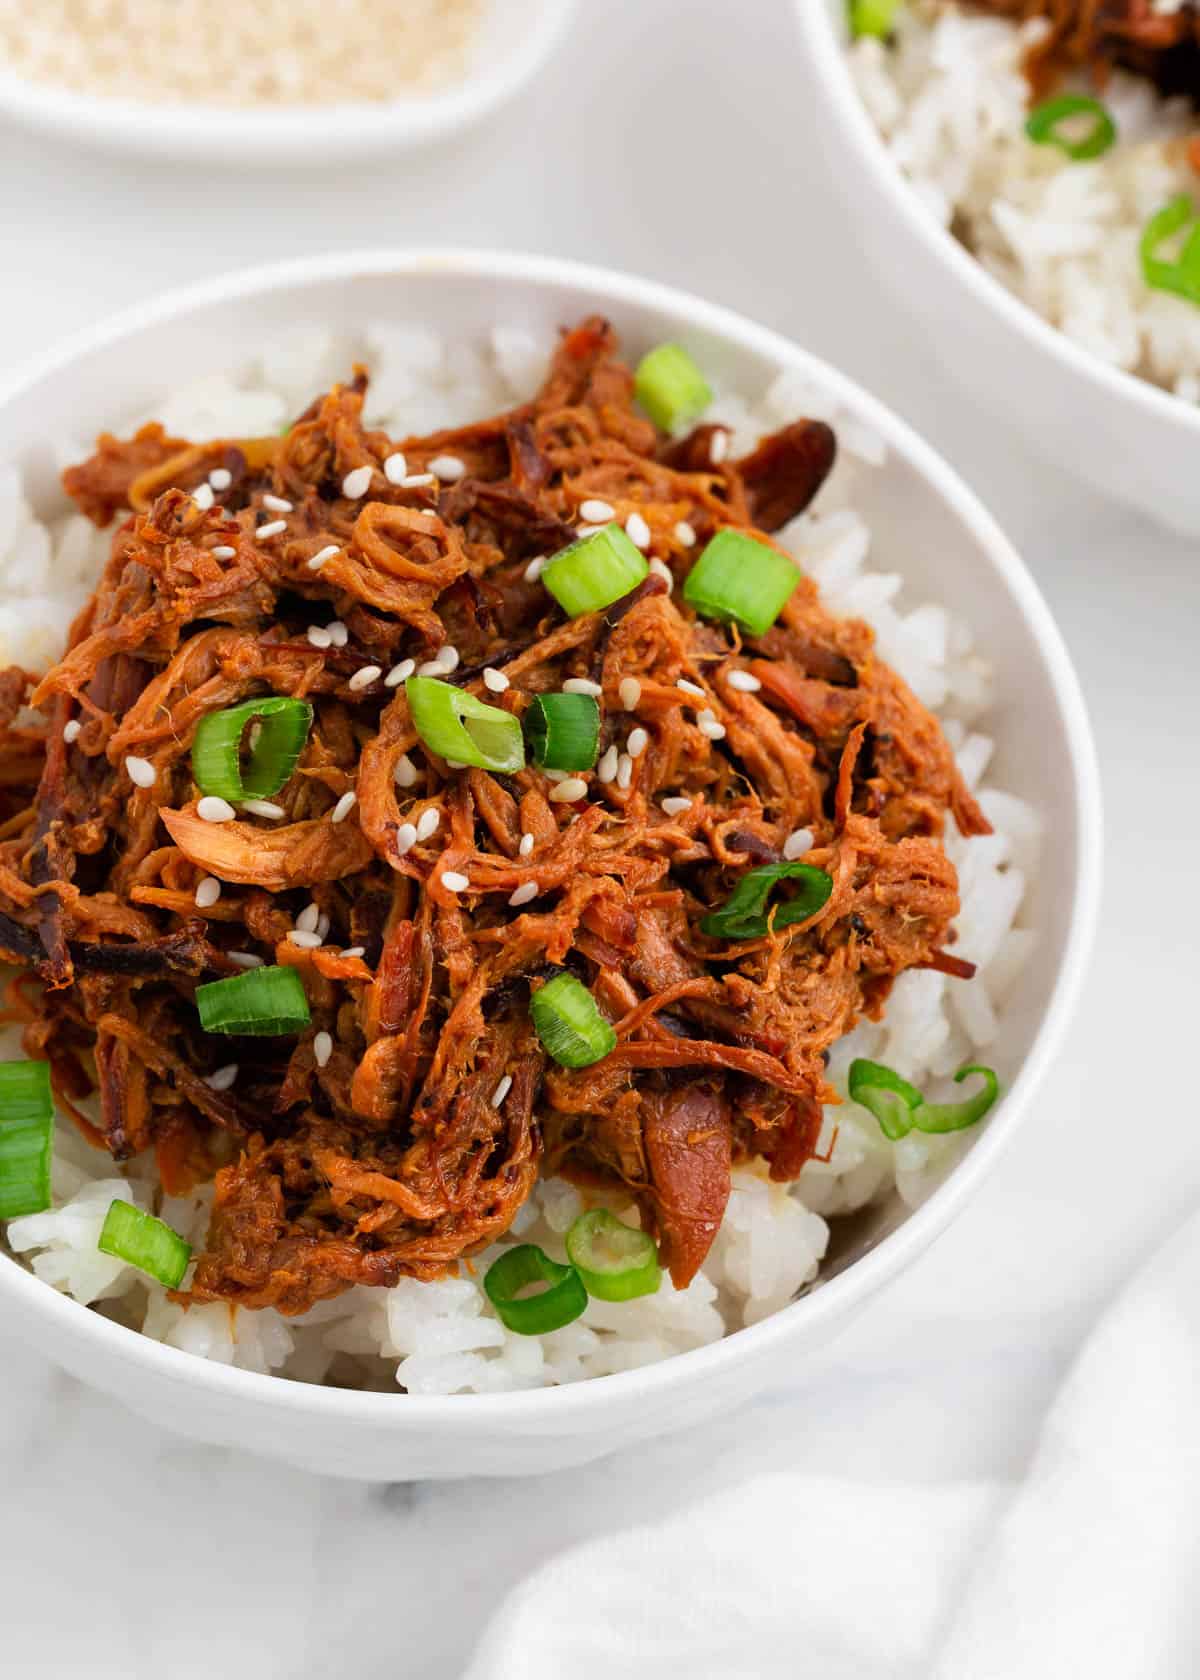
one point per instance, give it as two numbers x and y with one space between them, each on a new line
456 725
744 914
615 1262
1181 276
145 1242
883 1093
262 1003
873 17
283 726
533 1315
671 388
569 1024
956 1117
595 571
563 731
1044 126
899 1107
740 578
26 1138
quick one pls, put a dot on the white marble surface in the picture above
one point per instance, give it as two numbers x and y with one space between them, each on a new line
666 141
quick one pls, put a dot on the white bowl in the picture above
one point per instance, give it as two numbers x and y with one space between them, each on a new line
515 39
1127 437
934 531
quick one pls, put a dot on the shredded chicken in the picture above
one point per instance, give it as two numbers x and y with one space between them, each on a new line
414 1142
1150 39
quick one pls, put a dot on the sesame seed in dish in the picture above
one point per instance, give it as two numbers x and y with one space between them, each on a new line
357 482
272 528
275 53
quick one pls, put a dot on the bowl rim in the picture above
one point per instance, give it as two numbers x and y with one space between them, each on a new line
289 133
818 37
452 1416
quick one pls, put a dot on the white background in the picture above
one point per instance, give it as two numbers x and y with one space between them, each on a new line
666 138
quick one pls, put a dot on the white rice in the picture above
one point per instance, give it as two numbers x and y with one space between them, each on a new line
949 98
443 1338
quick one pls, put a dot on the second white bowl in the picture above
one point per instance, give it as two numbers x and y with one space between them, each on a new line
1126 437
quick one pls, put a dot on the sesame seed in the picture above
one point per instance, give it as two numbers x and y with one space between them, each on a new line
72 731
555 775
319 636
400 673
406 839
637 743
526 845
141 772
308 918
568 791
607 767
662 570
355 951
212 808
357 483
495 680
676 804
582 531
447 657
271 529
208 892
582 685
431 668
502 1090
535 569
203 496
799 841
318 560
343 807
220 478
448 468
624 770
276 504
338 633
526 891
223 1078
244 959
364 678
685 534
454 764
323 926
395 468
223 552
307 941
629 693
744 681
428 823
689 687
453 881
406 772
596 512
637 530
708 725
322 1048
718 449
264 808
417 481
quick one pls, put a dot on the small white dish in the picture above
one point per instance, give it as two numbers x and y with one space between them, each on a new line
515 40
1125 436
933 531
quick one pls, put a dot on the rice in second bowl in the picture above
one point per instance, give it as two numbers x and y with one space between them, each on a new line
444 1337
949 95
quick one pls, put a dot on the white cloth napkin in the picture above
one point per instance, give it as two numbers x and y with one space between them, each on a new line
1087 1565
